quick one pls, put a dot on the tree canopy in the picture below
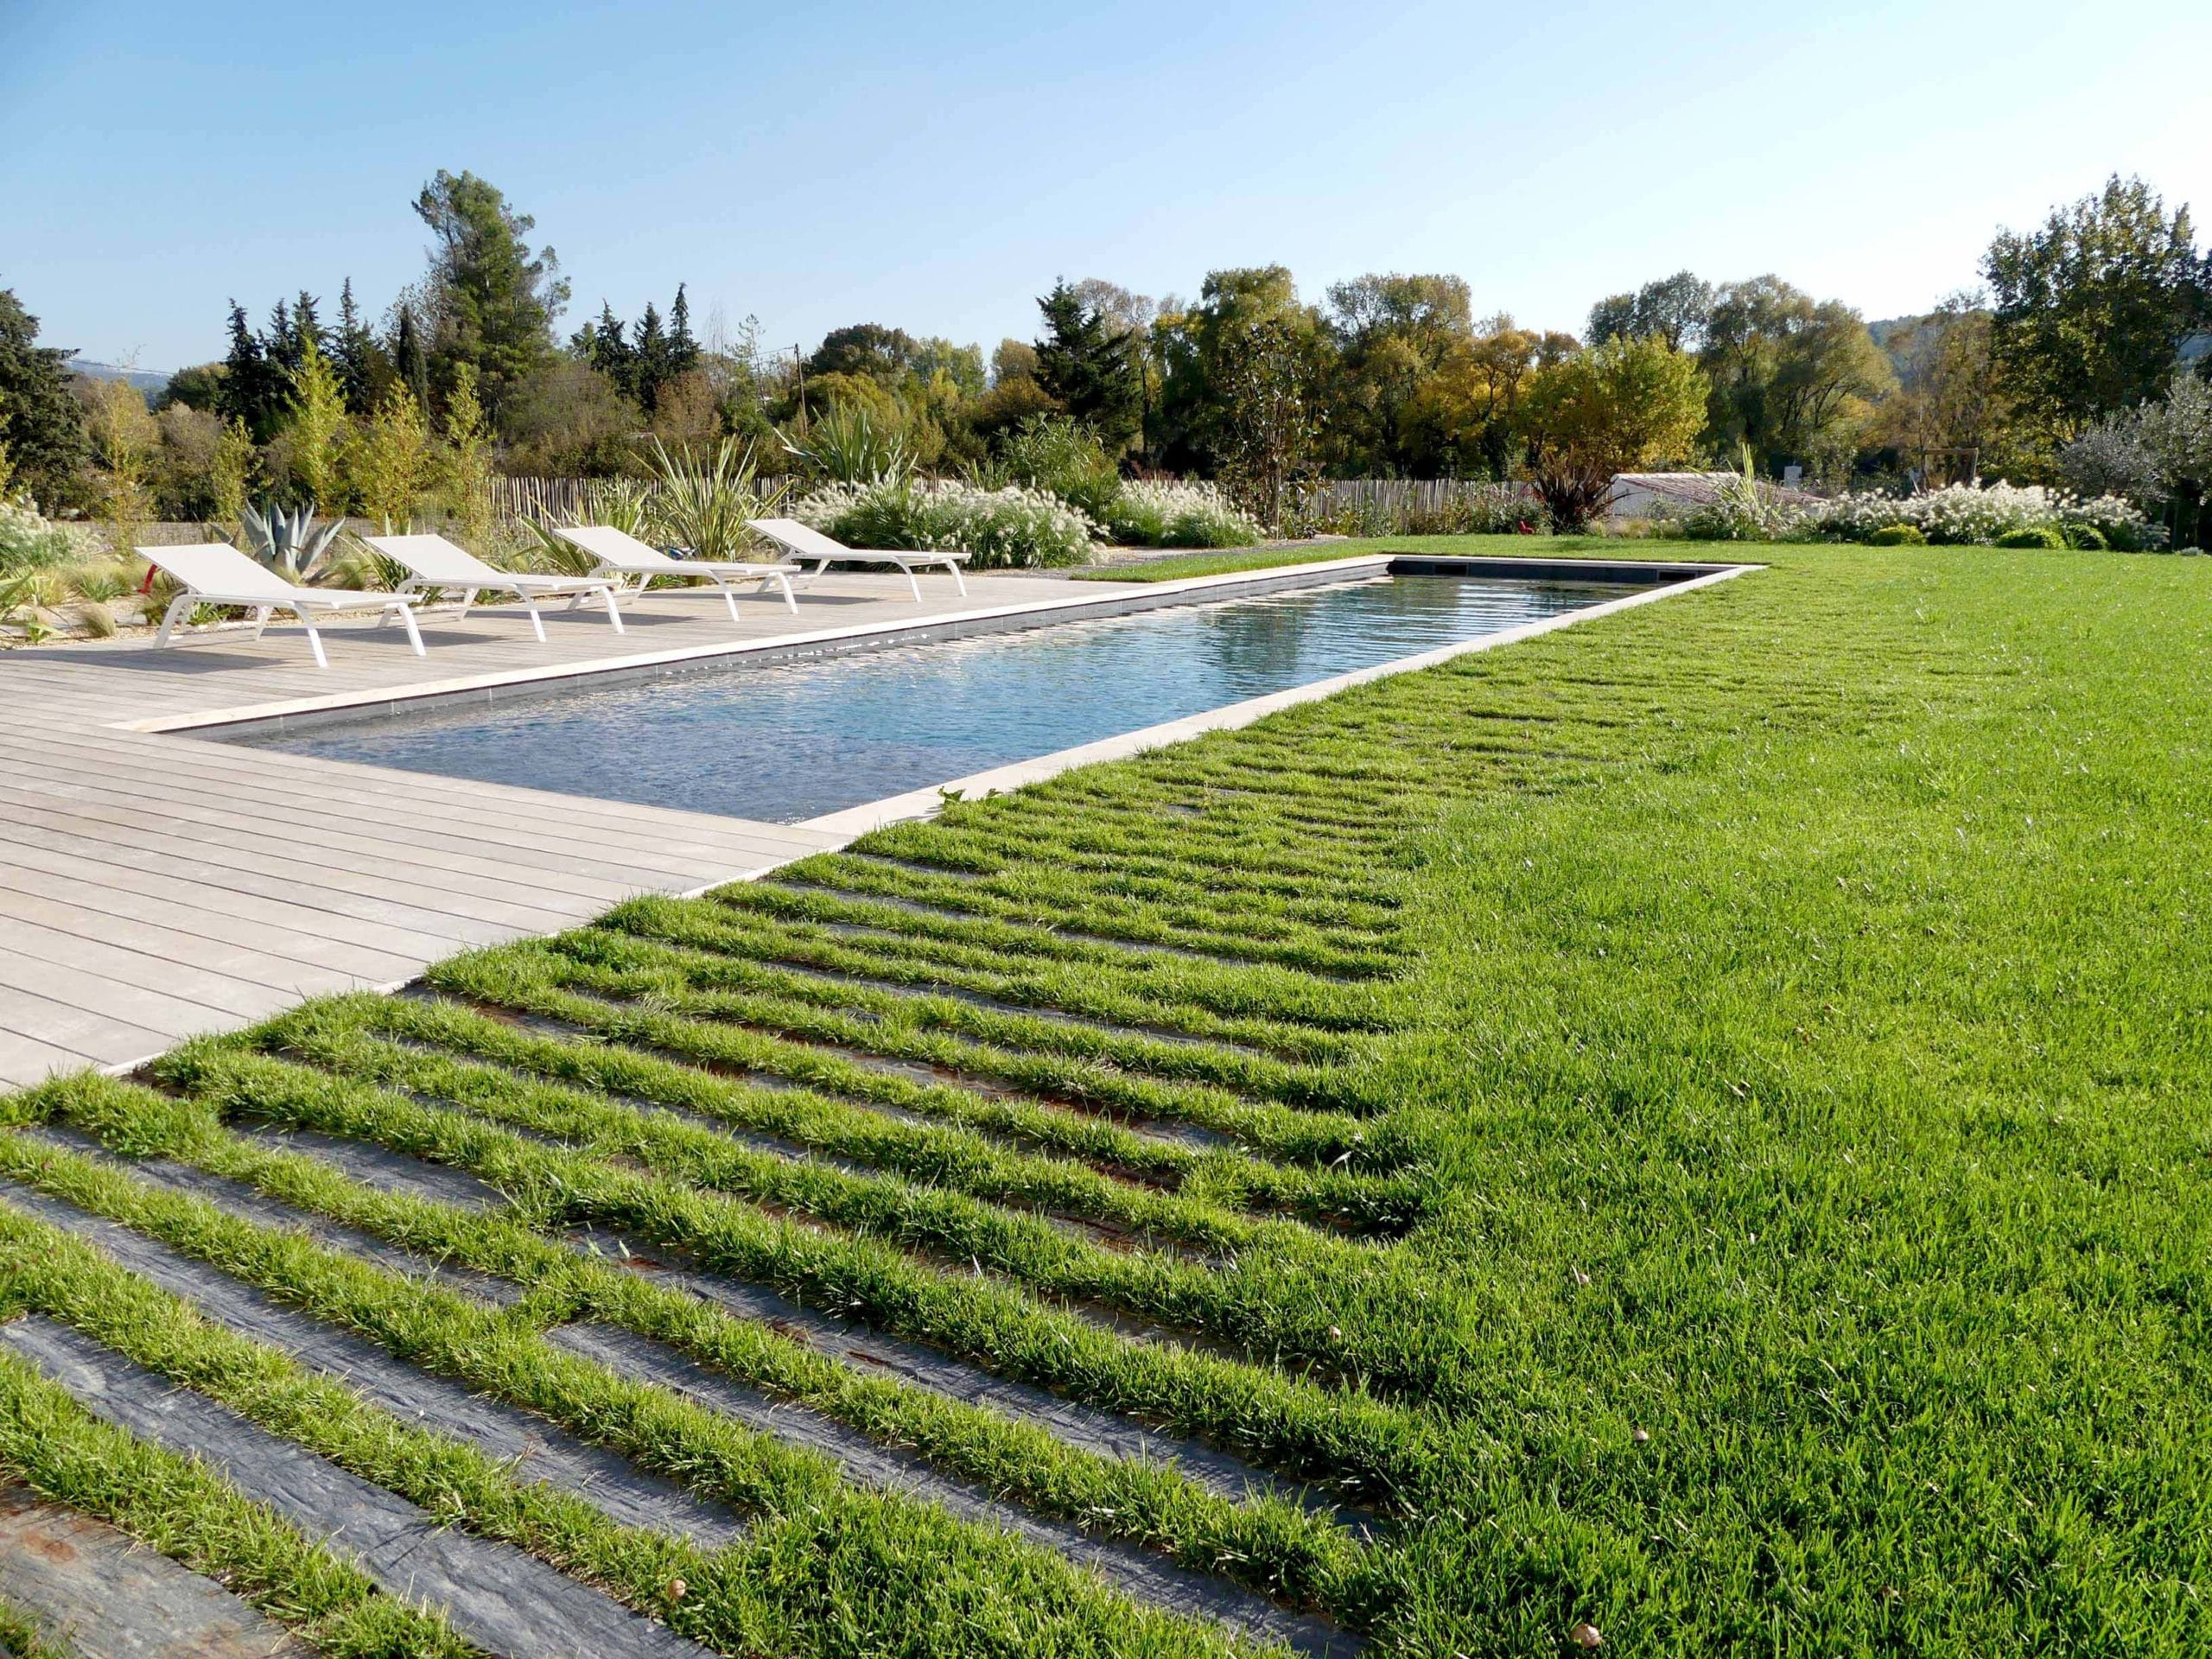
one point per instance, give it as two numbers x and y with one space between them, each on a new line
491 301
2089 311
41 422
1085 361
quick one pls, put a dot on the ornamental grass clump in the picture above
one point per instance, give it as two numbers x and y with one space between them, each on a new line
1011 528
1147 513
28 540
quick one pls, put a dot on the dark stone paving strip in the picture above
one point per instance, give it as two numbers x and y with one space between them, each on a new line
875 1353
1146 1577
543 1451
100 1594
241 1199
511 1605
380 1167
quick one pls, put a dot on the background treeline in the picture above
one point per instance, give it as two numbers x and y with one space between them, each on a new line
2056 370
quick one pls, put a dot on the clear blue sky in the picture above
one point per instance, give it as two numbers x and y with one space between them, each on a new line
937 167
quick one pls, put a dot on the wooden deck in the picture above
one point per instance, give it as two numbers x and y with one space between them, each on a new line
155 885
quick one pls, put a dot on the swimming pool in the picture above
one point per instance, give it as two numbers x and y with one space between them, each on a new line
795 740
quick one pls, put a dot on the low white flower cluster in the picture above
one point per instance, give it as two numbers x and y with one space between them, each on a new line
1982 515
1149 513
1012 527
27 541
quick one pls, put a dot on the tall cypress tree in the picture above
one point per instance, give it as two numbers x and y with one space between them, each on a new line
409 360
604 344
245 394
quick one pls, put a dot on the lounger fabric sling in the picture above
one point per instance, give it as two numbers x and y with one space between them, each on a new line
215 573
805 542
439 566
621 554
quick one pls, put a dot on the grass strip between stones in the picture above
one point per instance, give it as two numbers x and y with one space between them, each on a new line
755 1595
1207 1189
541 978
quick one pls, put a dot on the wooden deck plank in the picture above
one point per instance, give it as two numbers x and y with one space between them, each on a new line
135 959
160 884
378 951
456 890
487 855
153 762
99 1036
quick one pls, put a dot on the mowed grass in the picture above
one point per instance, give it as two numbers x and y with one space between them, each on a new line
1693 1124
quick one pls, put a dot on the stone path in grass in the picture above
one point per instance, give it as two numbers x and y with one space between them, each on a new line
930 1238
866 1179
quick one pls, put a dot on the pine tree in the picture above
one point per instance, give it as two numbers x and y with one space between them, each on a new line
361 371
306 327
650 352
682 348
278 347
41 424
492 299
602 344
1089 368
245 397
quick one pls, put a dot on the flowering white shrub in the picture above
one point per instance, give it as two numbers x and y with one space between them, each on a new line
2120 521
1982 515
1148 514
28 542
999 528
1967 515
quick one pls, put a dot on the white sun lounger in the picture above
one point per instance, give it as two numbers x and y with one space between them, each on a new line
215 573
621 554
805 542
438 565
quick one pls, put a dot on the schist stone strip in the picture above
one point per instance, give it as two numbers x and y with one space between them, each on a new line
509 1604
1146 1577
98 1593
545 1452
251 1205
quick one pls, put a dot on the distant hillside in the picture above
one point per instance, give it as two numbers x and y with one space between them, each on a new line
149 381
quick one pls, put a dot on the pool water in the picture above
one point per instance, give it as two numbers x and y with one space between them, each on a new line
790 741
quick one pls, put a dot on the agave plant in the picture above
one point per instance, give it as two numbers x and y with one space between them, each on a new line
702 505
846 446
288 542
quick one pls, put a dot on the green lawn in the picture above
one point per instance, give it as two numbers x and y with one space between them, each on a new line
1695 1123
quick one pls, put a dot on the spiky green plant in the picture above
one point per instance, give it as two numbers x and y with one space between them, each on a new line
287 541
702 503
850 446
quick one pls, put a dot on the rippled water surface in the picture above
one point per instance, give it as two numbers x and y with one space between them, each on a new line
792 742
